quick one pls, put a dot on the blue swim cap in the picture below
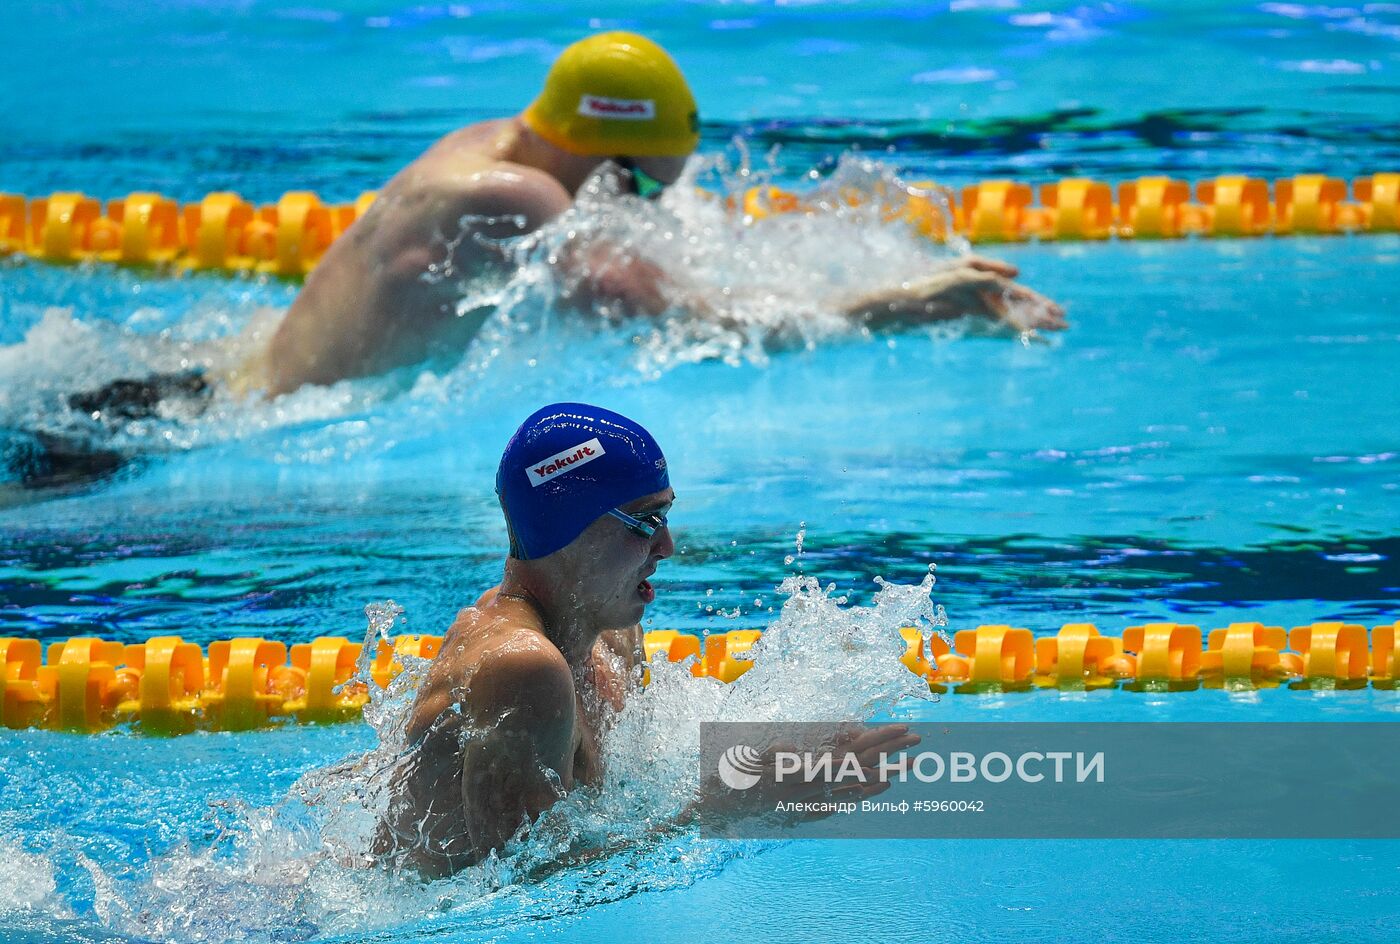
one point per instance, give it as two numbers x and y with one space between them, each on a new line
566 466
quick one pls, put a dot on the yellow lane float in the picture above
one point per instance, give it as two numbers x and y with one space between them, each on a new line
171 686
225 233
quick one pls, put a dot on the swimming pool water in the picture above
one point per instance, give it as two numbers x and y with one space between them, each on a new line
1213 439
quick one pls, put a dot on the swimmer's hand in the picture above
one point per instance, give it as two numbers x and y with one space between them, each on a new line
717 803
1005 300
973 286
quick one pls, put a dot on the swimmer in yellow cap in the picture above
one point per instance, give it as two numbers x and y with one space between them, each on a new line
614 102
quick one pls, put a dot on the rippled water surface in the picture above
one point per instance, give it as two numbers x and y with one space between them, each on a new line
1215 438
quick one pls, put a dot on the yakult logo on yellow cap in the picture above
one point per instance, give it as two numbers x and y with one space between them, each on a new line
621 109
562 462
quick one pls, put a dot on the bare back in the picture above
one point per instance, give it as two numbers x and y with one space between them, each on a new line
373 303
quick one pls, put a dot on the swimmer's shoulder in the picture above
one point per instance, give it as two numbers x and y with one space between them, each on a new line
524 672
487 138
502 640
492 659
470 170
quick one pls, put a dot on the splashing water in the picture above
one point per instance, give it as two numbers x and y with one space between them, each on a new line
30 886
796 556
301 867
743 285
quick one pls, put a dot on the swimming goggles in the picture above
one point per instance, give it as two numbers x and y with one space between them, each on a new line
644 527
638 181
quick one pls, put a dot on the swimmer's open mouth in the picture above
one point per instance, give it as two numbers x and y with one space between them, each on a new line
646 591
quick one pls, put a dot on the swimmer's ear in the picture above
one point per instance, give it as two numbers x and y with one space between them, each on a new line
517 550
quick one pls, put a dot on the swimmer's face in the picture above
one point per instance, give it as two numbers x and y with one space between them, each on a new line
613 563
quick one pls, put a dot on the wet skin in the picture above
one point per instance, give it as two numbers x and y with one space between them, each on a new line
512 709
385 294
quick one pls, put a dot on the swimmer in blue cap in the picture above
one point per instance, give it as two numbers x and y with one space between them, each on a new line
525 678
511 713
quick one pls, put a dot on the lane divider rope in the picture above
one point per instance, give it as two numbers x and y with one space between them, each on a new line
170 686
225 233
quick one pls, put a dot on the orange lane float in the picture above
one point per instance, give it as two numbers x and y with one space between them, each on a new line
323 689
248 682
997 656
13 223
1077 209
1078 657
61 227
995 211
26 688
1385 656
1156 208
1168 655
1334 652
1378 202
1309 204
214 230
1235 206
169 675
1244 655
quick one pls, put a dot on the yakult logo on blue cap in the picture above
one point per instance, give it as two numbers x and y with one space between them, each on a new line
562 462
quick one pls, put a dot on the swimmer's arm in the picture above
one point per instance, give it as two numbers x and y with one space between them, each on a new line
520 764
602 277
612 281
974 286
868 745
717 805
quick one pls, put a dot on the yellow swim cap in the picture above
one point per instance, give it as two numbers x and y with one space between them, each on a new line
616 94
